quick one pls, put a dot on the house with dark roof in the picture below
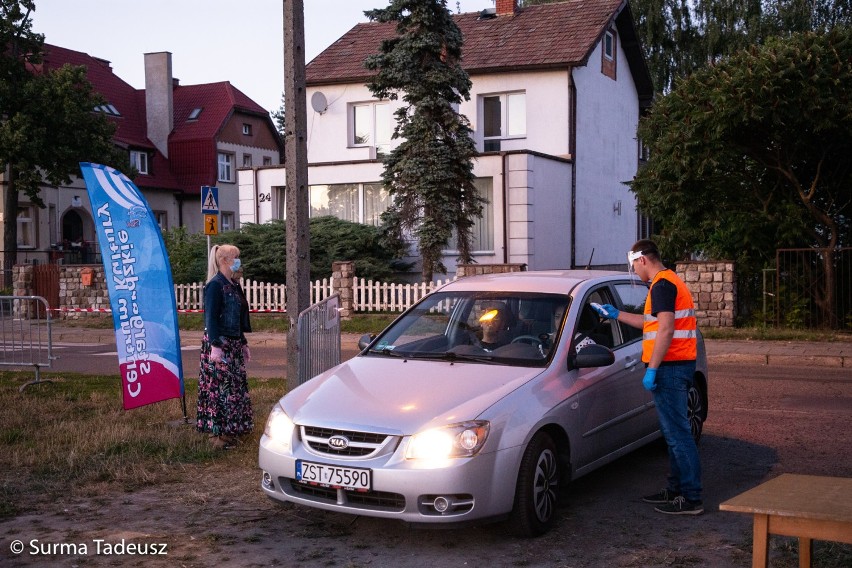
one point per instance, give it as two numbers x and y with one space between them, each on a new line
178 137
557 92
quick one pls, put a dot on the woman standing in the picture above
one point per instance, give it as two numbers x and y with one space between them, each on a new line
224 408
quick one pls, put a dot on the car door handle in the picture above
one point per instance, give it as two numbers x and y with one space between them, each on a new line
631 363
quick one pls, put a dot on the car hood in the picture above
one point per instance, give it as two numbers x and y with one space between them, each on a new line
401 397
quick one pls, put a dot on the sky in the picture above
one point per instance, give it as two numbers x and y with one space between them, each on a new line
210 40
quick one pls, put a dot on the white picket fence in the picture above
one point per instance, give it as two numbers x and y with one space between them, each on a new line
368 295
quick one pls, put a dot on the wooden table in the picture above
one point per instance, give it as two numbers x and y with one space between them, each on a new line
805 506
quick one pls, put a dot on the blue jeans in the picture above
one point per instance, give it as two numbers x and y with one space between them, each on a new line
670 396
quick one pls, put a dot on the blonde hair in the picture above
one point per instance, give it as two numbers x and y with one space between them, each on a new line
217 254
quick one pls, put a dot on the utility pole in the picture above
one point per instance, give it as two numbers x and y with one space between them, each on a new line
296 166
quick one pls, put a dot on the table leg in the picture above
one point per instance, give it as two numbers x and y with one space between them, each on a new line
806 552
760 547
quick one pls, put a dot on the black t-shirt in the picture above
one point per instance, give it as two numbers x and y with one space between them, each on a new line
663 297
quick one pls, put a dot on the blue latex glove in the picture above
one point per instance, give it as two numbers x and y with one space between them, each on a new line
649 381
607 310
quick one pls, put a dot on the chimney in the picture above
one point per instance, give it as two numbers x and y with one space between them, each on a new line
506 7
159 99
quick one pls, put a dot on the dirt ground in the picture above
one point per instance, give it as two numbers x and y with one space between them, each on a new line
762 423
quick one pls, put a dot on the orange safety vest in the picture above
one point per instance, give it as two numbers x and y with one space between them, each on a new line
684 346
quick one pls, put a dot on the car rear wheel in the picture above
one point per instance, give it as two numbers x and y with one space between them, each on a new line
696 410
537 490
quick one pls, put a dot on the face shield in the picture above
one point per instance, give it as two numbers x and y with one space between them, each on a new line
633 256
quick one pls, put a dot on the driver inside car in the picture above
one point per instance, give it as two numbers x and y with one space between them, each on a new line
495 320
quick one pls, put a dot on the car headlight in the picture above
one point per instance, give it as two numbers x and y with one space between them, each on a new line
279 427
453 441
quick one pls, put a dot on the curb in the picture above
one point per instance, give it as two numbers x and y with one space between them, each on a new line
782 360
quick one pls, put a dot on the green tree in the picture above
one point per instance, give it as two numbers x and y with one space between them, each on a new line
187 255
264 257
430 173
753 153
47 123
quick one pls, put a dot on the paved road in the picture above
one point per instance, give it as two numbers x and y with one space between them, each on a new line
82 350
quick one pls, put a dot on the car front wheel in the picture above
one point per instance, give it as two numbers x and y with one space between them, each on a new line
538 488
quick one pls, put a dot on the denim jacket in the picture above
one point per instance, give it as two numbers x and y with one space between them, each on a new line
225 310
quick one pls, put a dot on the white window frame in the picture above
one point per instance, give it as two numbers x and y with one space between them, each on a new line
27 220
508 128
225 168
353 199
609 45
377 137
162 218
247 160
227 221
139 160
247 129
482 226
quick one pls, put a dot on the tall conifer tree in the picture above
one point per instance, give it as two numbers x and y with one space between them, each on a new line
430 173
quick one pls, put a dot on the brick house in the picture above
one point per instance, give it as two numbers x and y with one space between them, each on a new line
179 138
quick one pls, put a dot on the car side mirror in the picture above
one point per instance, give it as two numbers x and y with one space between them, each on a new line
593 356
365 340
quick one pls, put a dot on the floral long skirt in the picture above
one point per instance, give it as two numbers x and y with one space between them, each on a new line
224 406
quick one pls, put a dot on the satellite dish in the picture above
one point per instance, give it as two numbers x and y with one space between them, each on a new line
318 102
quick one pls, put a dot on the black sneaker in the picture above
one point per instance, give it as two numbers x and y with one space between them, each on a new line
663 496
680 505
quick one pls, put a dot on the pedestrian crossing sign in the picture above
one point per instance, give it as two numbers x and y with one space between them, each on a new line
209 200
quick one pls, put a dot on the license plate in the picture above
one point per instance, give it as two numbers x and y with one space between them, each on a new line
333 475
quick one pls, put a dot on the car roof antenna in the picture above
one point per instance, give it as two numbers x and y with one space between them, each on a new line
591 256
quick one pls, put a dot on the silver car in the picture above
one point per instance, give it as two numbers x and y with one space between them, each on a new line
477 403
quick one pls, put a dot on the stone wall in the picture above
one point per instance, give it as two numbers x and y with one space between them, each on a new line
73 294
342 283
714 291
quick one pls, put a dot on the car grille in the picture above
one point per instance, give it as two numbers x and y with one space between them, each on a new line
360 444
375 500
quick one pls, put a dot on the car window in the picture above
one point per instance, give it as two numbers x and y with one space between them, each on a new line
502 327
591 328
631 298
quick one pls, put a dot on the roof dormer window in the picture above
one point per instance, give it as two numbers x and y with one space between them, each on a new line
139 160
194 114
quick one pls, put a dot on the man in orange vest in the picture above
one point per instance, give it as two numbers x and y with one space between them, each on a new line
669 349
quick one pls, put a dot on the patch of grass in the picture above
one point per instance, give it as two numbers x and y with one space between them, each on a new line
72 434
774 334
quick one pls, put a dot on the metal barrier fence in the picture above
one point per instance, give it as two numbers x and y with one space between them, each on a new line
814 288
25 334
318 329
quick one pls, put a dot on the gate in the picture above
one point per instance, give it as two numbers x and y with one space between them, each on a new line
25 334
46 284
318 329
814 288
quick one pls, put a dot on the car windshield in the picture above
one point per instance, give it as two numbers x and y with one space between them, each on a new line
488 327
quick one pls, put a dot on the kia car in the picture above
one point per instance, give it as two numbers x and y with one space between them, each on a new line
478 403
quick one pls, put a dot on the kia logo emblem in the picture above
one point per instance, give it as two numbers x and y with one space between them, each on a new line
338 442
